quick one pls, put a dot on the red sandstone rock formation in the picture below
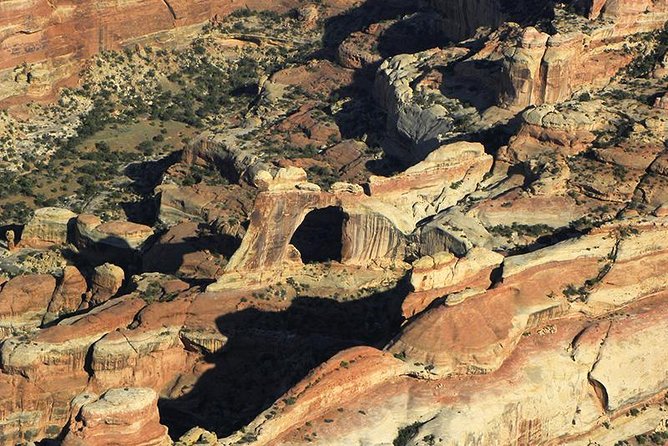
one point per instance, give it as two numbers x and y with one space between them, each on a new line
548 69
534 362
443 273
106 281
374 228
546 392
519 66
463 18
68 296
90 231
523 350
272 227
447 175
23 302
123 417
477 329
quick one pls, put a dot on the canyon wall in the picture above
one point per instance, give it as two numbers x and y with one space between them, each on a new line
464 17
43 43
557 50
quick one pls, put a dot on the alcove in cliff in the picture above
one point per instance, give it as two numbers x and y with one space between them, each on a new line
319 237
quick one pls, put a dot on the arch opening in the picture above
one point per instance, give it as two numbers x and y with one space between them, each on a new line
320 236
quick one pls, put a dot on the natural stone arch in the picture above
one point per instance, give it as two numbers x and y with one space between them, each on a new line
371 233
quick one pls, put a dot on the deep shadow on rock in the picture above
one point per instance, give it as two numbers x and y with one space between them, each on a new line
145 176
269 352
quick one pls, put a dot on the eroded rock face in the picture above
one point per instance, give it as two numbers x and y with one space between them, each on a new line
360 230
47 390
24 301
463 18
545 317
630 11
271 231
68 295
418 128
421 189
452 231
497 315
443 273
369 229
201 203
513 67
548 69
145 355
126 416
544 68
546 129
212 149
49 226
364 369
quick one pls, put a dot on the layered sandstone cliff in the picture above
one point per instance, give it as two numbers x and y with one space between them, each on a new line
44 44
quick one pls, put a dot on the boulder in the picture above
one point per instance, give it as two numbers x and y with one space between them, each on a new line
106 281
452 231
117 234
442 274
